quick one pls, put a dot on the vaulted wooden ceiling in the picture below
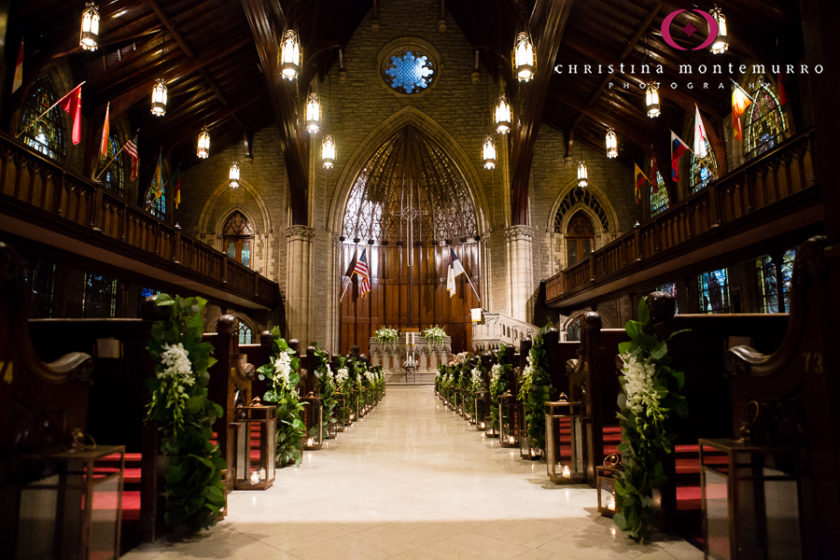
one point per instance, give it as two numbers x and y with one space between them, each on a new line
213 56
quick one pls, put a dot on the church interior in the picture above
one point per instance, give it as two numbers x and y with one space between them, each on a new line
419 279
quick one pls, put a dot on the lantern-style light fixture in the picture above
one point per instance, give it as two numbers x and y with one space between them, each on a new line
202 149
564 459
89 35
488 152
510 420
328 152
582 175
611 142
503 118
291 54
313 113
255 442
233 175
523 58
721 44
159 98
652 100
605 484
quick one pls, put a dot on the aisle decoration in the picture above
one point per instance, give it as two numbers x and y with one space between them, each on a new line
281 373
535 390
344 385
650 395
498 374
327 387
184 416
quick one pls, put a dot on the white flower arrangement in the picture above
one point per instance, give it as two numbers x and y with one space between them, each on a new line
370 376
496 373
639 383
341 376
283 366
386 334
177 366
526 379
477 381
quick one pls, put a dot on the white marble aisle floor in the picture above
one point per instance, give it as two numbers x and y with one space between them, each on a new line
411 481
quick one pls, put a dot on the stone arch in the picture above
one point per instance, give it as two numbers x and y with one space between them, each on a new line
367 147
211 229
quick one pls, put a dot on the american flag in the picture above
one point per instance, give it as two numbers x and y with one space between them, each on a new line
361 269
131 149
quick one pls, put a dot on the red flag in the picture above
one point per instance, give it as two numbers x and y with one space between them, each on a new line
72 105
740 102
640 179
18 79
361 269
106 132
653 174
131 149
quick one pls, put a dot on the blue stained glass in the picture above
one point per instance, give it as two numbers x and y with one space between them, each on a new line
410 73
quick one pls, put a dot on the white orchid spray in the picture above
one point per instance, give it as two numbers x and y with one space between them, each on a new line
177 366
639 384
341 376
477 380
283 366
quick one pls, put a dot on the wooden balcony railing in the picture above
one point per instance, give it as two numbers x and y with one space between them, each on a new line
76 206
777 175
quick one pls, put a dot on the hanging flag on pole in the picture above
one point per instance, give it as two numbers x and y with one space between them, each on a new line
130 148
106 132
18 79
740 101
678 148
361 270
158 179
72 105
455 270
640 179
700 138
653 173
175 180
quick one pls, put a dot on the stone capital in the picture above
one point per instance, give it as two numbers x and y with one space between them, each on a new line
517 233
300 233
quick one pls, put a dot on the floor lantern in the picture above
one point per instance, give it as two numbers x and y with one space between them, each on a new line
564 440
255 441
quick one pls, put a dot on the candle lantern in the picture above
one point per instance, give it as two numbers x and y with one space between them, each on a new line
74 507
564 440
510 418
313 420
89 35
340 412
482 409
353 406
750 494
605 484
526 451
255 441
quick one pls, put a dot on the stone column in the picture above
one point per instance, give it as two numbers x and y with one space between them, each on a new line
520 271
298 273
333 283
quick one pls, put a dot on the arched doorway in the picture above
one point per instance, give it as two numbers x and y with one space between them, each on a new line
238 236
580 238
408 207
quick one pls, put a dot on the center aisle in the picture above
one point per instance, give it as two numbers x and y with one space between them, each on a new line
411 480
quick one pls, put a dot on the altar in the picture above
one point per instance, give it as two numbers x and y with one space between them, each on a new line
411 359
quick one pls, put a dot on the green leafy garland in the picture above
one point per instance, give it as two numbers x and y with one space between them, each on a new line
283 377
498 374
327 387
650 394
535 390
195 495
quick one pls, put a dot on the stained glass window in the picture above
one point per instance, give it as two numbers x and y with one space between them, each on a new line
238 235
585 197
659 198
409 73
713 288
114 175
99 298
768 287
703 170
765 124
246 335
47 134
157 206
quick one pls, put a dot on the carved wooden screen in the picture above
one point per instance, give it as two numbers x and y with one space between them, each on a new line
410 170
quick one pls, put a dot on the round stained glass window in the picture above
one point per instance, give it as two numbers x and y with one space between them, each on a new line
408 71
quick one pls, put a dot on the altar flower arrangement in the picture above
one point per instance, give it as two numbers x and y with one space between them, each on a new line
184 415
650 396
387 337
435 336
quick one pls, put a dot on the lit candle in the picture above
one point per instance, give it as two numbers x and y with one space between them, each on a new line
611 503
566 471
255 477
482 425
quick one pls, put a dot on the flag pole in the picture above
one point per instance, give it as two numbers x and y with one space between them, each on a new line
472 286
53 106
107 165
345 289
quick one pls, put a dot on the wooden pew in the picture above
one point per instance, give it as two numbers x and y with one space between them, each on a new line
558 354
40 403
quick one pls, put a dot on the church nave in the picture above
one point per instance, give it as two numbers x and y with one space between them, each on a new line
413 481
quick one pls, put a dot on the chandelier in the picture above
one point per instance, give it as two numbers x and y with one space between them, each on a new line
233 175
291 54
202 149
611 142
721 44
502 116
328 152
523 58
652 100
89 35
313 113
488 152
582 175
159 98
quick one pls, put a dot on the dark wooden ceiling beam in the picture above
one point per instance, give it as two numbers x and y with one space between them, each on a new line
267 21
547 23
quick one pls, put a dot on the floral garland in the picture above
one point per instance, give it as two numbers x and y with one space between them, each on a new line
327 387
535 390
497 385
281 372
195 495
477 379
650 394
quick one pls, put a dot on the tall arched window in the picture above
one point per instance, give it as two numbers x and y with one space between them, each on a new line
47 134
580 238
114 175
238 238
703 170
765 123
659 197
